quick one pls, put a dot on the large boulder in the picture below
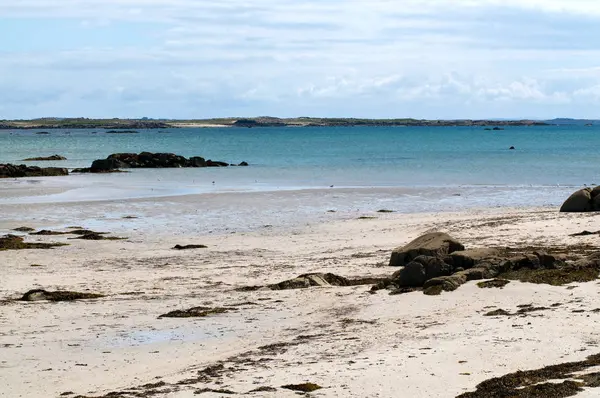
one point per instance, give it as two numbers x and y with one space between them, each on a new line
103 165
580 201
420 270
436 244
469 258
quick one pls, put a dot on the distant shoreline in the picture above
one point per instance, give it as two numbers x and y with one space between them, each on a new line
81 123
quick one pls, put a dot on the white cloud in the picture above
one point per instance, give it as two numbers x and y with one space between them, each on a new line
265 56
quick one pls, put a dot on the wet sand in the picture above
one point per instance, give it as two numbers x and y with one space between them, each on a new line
350 342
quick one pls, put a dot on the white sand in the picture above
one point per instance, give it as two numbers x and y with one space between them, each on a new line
358 344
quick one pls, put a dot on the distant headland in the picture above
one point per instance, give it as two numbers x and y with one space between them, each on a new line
263 121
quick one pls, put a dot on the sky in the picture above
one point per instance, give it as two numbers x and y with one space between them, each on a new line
435 59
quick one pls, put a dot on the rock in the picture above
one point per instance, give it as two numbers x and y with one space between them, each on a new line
197 161
8 170
494 283
243 164
40 294
469 258
213 163
189 247
580 201
48 158
448 283
436 244
24 229
511 148
122 132
103 165
474 274
420 270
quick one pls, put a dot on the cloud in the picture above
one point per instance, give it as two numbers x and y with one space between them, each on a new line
188 58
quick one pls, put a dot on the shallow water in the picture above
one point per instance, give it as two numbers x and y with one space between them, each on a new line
416 169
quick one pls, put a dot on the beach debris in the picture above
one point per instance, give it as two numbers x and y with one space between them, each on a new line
367 218
434 244
196 312
45 232
322 279
219 391
304 387
12 242
498 312
40 295
97 236
562 380
24 229
189 247
8 170
586 233
494 283
385 211
554 277
262 389
45 158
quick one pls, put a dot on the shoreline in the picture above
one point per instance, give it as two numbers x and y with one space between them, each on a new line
341 338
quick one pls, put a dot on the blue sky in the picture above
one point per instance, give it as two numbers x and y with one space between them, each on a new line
339 58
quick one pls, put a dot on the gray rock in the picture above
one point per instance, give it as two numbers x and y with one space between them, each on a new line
469 258
101 165
580 201
436 244
418 271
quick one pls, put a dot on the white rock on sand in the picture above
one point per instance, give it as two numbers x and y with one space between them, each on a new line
350 342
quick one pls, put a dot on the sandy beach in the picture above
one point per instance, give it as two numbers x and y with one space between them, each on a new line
345 339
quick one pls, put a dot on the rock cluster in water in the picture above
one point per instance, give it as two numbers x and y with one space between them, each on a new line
45 158
8 170
150 160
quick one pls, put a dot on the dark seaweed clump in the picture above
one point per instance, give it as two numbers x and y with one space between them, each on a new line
12 242
196 312
536 383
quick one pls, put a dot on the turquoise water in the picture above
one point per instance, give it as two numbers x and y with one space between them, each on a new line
359 156
291 174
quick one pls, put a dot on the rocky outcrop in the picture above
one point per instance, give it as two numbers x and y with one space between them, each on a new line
445 269
16 171
150 160
436 244
47 158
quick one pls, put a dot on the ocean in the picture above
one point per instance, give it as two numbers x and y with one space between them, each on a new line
349 169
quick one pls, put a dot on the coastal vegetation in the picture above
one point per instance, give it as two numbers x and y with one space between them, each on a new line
114 125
